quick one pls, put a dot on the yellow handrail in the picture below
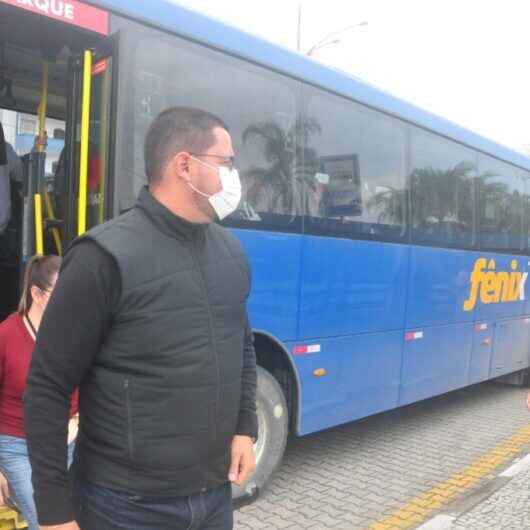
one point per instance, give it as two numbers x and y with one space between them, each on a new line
51 215
85 129
39 240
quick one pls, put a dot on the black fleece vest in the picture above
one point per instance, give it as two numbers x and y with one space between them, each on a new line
160 404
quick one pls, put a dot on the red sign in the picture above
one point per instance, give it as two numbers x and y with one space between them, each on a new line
99 67
68 11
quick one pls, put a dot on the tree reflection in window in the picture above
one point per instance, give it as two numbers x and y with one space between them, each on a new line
501 206
285 185
443 204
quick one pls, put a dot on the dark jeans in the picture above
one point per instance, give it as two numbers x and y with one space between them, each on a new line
99 508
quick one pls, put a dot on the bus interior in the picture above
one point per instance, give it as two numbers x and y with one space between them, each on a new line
42 62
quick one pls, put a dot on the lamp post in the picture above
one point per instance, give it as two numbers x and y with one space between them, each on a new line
326 40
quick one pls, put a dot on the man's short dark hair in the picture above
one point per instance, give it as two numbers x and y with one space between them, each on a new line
177 129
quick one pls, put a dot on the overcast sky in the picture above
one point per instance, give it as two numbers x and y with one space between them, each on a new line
466 60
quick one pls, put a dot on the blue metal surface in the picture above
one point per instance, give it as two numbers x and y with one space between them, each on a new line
438 286
350 287
201 28
354 295
481 353
355 302
275 261
363 375
435 363
510 351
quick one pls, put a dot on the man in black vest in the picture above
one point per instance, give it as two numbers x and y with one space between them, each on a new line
149 319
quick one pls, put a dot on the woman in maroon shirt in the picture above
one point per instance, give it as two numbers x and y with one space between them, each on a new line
17 339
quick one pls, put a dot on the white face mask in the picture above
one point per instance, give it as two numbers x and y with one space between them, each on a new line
226 201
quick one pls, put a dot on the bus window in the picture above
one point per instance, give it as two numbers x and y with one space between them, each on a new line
258 106
362 155
442 181
500 198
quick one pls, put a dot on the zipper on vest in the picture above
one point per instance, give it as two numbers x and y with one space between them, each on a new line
129 419
212 337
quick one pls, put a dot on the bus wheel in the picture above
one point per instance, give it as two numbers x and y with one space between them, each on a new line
273 428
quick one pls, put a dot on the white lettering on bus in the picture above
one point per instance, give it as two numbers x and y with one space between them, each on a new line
69 11
43 5
58 8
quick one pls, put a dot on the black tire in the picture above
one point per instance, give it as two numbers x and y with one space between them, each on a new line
273 430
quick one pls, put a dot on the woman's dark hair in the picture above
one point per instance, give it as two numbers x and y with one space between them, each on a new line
40 271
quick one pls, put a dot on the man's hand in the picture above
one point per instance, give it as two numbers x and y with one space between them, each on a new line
72 525
243 461
528 401
4 490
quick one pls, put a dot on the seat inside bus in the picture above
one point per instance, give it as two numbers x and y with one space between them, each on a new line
27 41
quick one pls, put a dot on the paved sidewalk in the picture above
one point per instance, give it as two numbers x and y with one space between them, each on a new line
355 476
508 507
503 503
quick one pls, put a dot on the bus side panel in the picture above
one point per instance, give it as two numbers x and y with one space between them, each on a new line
481 352
351 287
438 287
510 351
362 378
275 263
435 361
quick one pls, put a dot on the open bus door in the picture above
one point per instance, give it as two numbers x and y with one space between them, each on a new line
85 167
81 194
89 142
59 68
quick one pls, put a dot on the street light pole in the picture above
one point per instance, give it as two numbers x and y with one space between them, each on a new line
325 41
299 33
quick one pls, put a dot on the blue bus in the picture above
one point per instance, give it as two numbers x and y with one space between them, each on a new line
390 248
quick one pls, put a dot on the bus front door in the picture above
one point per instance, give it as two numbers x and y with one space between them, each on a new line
89 137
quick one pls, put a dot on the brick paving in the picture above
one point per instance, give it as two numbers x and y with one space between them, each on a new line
351 476
508 508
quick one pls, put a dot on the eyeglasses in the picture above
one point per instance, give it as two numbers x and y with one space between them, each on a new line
227 161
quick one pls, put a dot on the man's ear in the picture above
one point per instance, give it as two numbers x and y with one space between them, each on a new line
179 166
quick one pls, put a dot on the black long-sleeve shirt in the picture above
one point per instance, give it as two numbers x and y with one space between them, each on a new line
76 322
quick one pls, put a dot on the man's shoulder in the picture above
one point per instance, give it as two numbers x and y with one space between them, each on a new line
233 244
226 235
116 225
116 236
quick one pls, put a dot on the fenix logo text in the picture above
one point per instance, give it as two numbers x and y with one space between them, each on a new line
494 287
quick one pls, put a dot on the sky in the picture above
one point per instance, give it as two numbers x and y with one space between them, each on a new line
465 60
